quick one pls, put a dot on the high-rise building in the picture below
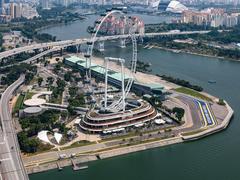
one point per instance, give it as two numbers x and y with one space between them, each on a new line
230 20
1 6
45 4
15 10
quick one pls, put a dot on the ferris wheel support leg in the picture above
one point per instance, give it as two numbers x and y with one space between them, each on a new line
86 68
123 86
106 82
123 43
78 47
101 46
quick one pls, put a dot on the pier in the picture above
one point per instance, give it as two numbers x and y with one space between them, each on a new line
77 167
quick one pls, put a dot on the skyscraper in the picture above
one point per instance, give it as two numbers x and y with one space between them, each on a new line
1 6
45 4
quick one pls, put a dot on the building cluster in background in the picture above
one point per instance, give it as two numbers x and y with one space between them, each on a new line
122 25
10 10
213 17
48 3
216 2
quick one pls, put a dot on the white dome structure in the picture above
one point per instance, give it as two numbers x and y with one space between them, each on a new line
176 7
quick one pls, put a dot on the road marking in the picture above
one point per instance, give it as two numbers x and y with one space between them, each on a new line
203 115
6 159
210 113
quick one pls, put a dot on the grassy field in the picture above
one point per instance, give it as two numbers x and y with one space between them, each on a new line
79 144
57 100
29 95
192 93
19 103
194 132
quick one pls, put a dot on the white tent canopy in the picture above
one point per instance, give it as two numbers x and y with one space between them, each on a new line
58 137
42 135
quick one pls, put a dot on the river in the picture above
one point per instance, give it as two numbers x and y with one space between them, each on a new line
212 158
78 29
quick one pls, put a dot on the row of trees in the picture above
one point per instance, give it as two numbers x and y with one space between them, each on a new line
58 90
225 37
163 27
143 67
12 73
181 82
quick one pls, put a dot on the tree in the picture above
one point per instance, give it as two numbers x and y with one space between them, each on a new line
179 112
73 91
26 144
28 77
61 84
57 68
40 80
77 101
50 80
71 110
68 76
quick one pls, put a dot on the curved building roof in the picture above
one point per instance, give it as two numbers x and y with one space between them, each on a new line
176 7
32 110
34 102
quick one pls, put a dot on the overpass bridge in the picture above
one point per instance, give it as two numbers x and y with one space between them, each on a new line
67 43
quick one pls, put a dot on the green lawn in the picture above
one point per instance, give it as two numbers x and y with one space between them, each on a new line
29 95
57 100
19 103
194 132
79 144
192 93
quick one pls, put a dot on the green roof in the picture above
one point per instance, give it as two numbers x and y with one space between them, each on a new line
98 69
118 76
153 86
74 59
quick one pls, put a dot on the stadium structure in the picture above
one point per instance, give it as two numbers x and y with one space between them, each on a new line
176 7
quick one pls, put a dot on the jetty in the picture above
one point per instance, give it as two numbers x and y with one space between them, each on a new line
77 167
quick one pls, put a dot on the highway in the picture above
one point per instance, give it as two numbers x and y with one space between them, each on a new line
30 60
66 43
11 165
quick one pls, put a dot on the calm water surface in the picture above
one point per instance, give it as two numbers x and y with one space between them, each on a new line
216 157
78 29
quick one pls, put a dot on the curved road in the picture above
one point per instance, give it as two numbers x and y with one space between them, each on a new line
11 165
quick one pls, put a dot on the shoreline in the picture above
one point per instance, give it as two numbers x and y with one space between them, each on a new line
61 23
193 53
89 157
58 24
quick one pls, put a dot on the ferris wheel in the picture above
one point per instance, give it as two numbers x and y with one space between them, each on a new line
118 105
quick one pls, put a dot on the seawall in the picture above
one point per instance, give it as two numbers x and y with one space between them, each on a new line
135 148
215 129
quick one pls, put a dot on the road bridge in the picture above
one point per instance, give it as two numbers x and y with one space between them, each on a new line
66 43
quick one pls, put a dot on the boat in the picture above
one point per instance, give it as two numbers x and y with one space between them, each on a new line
212 81
145 47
